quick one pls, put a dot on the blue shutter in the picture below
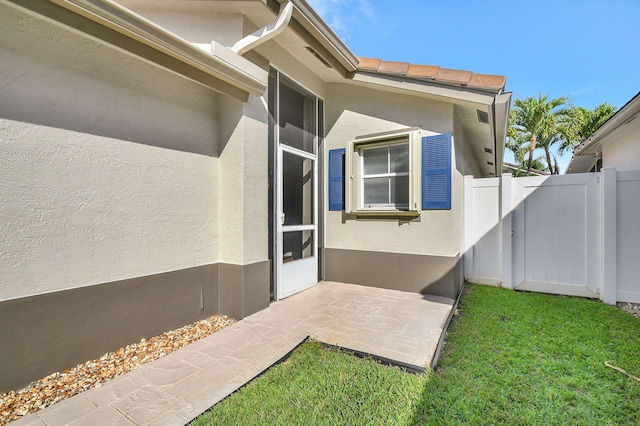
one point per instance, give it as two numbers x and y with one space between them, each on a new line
336 179
436 172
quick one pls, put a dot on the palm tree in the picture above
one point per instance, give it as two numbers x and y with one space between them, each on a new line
536 121
580 123
519 156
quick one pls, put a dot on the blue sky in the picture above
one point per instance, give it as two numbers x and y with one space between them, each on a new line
588 50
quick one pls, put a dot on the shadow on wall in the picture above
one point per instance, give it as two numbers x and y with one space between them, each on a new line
53 77
381 111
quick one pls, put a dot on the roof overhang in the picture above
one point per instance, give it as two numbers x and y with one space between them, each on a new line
437 91
582 163
588 151
501 108
495 103
222 70
314 30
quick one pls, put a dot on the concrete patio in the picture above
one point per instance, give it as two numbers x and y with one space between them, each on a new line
403 327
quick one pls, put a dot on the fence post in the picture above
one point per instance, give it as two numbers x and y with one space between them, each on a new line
469 227
507 233
608 284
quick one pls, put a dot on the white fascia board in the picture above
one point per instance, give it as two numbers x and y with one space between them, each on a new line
221 64
317 27
501 123
427 89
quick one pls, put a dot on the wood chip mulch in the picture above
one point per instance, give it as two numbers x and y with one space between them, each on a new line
61 385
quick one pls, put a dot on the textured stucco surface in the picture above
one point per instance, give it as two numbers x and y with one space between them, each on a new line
622 149
108 166
55 77
80 209
243 181
199 26
354 111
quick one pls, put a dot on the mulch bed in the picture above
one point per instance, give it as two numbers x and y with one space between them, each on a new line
61 385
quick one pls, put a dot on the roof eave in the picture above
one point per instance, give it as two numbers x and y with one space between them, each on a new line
425 88
315 32
586 153
625 113
222 70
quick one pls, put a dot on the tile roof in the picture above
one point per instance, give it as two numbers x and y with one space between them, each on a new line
434 73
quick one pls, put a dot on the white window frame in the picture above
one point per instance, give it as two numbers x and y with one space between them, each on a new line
354 166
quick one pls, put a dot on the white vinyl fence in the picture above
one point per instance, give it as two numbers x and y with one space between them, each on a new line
573 234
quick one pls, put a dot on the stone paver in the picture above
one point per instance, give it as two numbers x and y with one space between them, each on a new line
172 390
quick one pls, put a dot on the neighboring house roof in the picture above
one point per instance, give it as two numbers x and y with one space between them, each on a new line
493 83
587 153
515 167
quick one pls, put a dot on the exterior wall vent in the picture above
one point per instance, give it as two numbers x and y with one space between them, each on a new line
317 55
483 116
488 150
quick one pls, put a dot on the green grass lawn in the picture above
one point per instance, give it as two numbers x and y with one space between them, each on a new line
510 358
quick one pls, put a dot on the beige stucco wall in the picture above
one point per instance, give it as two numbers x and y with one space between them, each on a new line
199 26
353 111
622 149
243 136
108 165
243 181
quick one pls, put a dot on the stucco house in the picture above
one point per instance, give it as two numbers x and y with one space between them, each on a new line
615 144
163 161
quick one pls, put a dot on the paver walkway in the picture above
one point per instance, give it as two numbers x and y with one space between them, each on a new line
174 389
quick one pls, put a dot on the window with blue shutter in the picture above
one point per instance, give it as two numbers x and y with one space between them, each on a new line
336 179
436 172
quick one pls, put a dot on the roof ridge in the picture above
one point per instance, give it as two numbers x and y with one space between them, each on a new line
433 73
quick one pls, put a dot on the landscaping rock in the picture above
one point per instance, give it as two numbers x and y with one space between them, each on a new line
632 308
93 373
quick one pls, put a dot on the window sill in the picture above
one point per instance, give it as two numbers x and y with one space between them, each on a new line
385 213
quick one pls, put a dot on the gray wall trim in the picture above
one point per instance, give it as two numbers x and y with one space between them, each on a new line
244 289
51 332
436 275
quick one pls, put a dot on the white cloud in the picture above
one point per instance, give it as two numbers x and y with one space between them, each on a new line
343 15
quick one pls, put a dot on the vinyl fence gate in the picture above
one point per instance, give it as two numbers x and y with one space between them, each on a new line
575 234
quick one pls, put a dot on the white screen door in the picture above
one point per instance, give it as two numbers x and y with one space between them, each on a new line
297 189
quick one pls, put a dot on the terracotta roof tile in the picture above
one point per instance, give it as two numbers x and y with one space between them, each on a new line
423 71
369 64
454 76
387 67
488 81
433 72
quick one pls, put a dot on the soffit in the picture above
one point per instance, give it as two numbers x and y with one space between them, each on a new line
305 30
475 138
298 49
581 163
